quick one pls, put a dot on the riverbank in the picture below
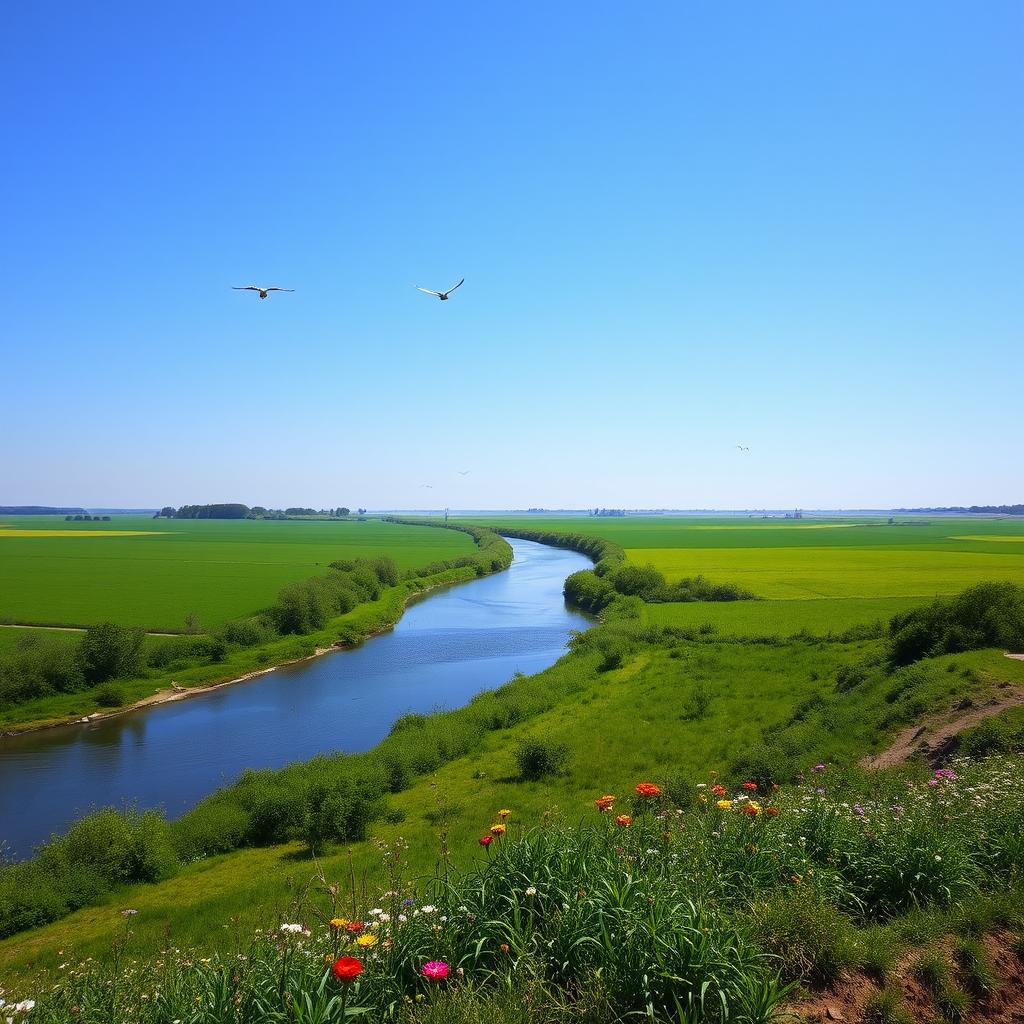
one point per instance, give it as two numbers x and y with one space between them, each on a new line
341 633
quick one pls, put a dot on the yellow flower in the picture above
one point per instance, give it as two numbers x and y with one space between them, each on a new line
724 805
338 922
366 940
504 813
498 830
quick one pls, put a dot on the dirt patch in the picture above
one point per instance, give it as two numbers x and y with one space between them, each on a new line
936 737
847 999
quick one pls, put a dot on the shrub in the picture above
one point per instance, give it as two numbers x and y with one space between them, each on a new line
110 695
109 651
539 758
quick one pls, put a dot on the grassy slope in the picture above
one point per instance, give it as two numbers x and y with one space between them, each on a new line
620 725
214 569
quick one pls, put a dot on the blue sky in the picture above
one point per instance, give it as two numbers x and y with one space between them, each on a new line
794 226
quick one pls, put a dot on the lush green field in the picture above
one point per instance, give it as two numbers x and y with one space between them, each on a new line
59 573
835 573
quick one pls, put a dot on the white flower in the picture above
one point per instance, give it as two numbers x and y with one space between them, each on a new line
428 908
531 891
402 919
294 929
25 1005
376 912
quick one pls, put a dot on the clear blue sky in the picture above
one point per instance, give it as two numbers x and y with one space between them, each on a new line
683 226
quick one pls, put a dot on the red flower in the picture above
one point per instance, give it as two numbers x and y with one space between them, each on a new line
486 841
648 789
751 810
604 803
355 927
772 812
750 785
719 790
348 968
624 820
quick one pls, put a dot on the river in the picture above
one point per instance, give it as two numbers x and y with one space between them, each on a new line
447 647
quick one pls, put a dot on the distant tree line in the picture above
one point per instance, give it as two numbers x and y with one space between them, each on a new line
607 512
234 510
86 519
35 510
1001 510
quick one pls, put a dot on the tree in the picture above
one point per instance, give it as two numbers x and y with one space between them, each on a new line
109 651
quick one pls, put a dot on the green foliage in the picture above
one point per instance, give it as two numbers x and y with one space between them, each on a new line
109 651
537 759
887 1007
110 695
986 615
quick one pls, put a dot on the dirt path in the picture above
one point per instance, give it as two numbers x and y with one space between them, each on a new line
78 629
935 737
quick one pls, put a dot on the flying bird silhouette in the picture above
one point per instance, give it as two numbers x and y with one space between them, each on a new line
443 296
429 487
464 472
743 447
264 292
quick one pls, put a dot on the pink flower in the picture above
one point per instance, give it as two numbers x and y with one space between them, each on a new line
819 767
435 970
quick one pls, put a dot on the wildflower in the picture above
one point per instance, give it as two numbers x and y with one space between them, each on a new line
772 812
946 773
531 890
752 809
428 908
354 927
623 820
402 919
295 929
366 941
407 902
128 913
719 790
750 786
435 970
819 767
497 830
376 912
933 782
338 923
504 813
486 841
347 968
604 803
648 789
504 947
724 805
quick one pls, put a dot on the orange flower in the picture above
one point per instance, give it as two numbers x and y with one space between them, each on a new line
504 947
624 820
718 790
772 812
498 830
604 803
648 789
751 810
355 927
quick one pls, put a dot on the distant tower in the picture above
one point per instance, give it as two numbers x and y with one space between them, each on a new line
446 515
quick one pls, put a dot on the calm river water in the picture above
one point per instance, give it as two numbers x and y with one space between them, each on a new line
446 648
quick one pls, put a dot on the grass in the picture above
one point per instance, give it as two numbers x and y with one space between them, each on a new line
82 574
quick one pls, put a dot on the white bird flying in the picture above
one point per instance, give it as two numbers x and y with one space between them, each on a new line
264 292
443 296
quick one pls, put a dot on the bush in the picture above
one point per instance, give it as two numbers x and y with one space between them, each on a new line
110 695
539 758
109 651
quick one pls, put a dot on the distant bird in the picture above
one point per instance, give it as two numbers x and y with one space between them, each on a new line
743 447
264 292
429 487
443 296
465 472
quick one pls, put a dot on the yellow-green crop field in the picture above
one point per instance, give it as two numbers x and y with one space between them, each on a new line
823 575
153 573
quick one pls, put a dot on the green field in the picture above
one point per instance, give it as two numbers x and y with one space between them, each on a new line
59 573
823 575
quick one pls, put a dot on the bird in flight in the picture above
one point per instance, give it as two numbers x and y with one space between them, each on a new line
743 447
429 487
464 472
264 292
443 296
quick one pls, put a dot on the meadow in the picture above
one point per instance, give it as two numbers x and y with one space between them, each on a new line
137 571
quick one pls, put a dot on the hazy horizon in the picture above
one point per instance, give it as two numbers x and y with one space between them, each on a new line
798 230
